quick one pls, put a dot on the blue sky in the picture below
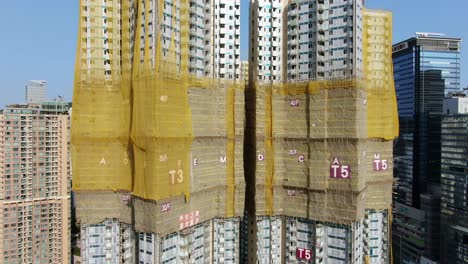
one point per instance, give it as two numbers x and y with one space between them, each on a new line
39 38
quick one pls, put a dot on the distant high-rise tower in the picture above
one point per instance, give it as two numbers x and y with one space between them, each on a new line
454 180
35 184
36 91
426 68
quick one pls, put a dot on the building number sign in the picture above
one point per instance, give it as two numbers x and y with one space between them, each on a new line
380 164
303 254
338 171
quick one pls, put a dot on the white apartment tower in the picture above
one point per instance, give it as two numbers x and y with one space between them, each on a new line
266 43
324 39
214 35
279 238
299 40
108 242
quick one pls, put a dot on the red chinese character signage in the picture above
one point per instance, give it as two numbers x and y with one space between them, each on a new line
126 198
188 220
338 171
380 164
303 254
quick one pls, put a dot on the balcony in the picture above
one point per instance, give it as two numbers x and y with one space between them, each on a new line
321 17
292 52
321 39
321 6
320 49
292 31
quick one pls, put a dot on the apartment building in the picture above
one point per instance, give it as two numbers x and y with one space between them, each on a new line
35 183
324 40
183 197
108 242
267 35
307 40
292 43
214 35
181 39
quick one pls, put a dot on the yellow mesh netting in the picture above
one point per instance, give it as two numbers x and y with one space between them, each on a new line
378 67
101 102
302 127
150 127
139 126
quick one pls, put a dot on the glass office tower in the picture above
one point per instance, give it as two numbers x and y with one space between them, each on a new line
426 68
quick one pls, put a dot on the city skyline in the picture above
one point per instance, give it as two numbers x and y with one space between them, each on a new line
36 31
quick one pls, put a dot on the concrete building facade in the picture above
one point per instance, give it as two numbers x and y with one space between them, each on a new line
35 185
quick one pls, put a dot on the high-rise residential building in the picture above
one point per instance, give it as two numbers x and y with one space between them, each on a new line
214 35
324 40
305 40
36 91
306 56
159 158
35 183
266 33
166 192
454 180
426 68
